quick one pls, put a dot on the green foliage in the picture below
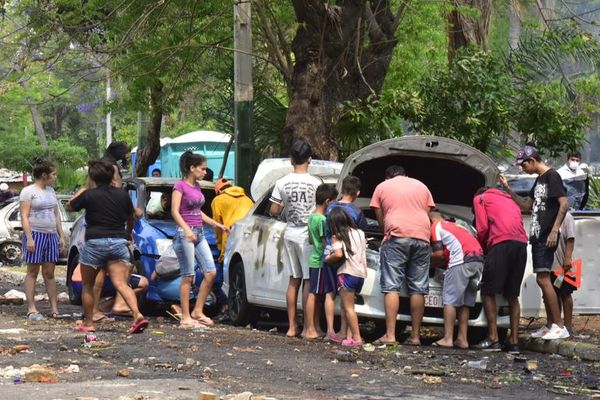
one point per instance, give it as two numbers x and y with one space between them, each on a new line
545 116
63 153
68 179
594 197
469 101
18 151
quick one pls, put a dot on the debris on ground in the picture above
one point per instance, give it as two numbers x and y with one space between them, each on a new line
72 369
123 373
15 294
14 350
11 301
39 373
41 297
63 297
239 396
478 364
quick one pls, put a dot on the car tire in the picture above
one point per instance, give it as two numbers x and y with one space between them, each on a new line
11 253
74 297
239 308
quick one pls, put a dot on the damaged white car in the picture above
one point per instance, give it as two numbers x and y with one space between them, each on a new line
253 270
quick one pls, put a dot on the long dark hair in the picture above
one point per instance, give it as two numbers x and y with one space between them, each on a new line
340 224
188 160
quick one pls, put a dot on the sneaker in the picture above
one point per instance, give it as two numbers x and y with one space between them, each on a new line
487 345
540 332
556 332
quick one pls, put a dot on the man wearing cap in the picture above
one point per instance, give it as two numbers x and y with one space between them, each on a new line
230 205
575 179
548 203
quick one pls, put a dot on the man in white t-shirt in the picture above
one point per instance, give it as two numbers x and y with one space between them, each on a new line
574 175
294 195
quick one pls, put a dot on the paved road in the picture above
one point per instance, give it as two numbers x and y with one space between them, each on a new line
168 362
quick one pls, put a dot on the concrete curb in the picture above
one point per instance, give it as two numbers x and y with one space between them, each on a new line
566 348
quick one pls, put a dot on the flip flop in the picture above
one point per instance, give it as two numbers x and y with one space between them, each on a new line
436 344
409 342
104 318
191 325
138 327
83 328
379 342
205 321
59 316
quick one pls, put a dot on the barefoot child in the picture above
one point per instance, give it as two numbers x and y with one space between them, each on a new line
465 266
321 277
348 245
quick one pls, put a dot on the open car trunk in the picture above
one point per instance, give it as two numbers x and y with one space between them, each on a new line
453 171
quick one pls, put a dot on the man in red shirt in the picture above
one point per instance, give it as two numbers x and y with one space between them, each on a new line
402 206
500 231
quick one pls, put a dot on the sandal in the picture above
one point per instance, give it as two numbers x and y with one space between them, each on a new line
83 328
352 343
35 316
204 320
104 318
191 325
409 342
59 316
380 342
138 327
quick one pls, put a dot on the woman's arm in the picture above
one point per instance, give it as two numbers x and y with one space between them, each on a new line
25 208
59 229
175 204
208 220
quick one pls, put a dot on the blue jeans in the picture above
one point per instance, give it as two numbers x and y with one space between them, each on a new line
404 259
188 253
98 252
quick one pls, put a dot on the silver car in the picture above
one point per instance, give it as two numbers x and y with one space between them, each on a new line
253 269
11 229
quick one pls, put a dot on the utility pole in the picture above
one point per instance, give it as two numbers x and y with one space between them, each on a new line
243 94
108 114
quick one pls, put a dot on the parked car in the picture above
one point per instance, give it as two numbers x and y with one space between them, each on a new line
11 229
253 269
151 236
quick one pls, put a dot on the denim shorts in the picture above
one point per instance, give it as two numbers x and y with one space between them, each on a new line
190 253
98 252
542 257
404 259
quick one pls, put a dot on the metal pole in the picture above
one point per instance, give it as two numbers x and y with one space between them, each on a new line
243 94
108 114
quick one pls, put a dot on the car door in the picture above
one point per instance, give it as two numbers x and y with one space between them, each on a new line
267 276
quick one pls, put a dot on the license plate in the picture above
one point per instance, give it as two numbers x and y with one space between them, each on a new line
433 300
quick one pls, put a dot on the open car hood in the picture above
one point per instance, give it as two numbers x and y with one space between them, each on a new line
453 171
272 169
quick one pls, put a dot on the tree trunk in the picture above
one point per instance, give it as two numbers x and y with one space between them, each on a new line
342 53
514 27
465 30
37 123
147 155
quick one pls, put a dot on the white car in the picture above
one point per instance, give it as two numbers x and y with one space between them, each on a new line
254 274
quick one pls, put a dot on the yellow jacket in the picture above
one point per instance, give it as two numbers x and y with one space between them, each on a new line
227 208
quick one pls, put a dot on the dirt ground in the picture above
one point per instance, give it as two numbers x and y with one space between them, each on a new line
231 360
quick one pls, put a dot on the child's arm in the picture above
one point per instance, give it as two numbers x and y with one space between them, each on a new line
338 252
570 246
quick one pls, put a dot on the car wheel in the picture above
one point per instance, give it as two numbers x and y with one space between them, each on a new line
74 297
11 253
239 309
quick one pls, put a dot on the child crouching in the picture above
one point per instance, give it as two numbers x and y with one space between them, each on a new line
348 245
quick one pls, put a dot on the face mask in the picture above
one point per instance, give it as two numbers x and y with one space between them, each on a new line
573 165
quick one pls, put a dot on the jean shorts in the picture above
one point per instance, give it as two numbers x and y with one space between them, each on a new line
404 259
190 253
98 252
542 257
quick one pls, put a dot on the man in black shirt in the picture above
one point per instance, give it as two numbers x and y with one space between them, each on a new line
548 203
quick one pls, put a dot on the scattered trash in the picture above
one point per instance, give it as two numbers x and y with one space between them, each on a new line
11 331
354 376
90 337
369 347
14 350
123 373
520 359
567 372
581 336
15 294
273 330
38 373
269 362
478 364
157 332
531 365
206 396
429 372
72 369
13 301
189 362
556 355
245 349
63 297
431 380
41 297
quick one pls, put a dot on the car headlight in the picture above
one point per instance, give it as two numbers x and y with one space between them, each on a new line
162 245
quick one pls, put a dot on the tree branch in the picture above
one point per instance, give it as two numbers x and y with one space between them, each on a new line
273 46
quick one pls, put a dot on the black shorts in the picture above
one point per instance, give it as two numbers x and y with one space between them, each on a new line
504 268
565 289
542 257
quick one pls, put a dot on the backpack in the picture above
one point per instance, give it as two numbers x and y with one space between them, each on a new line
167 266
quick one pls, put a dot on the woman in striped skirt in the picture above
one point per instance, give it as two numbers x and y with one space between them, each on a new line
42 235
